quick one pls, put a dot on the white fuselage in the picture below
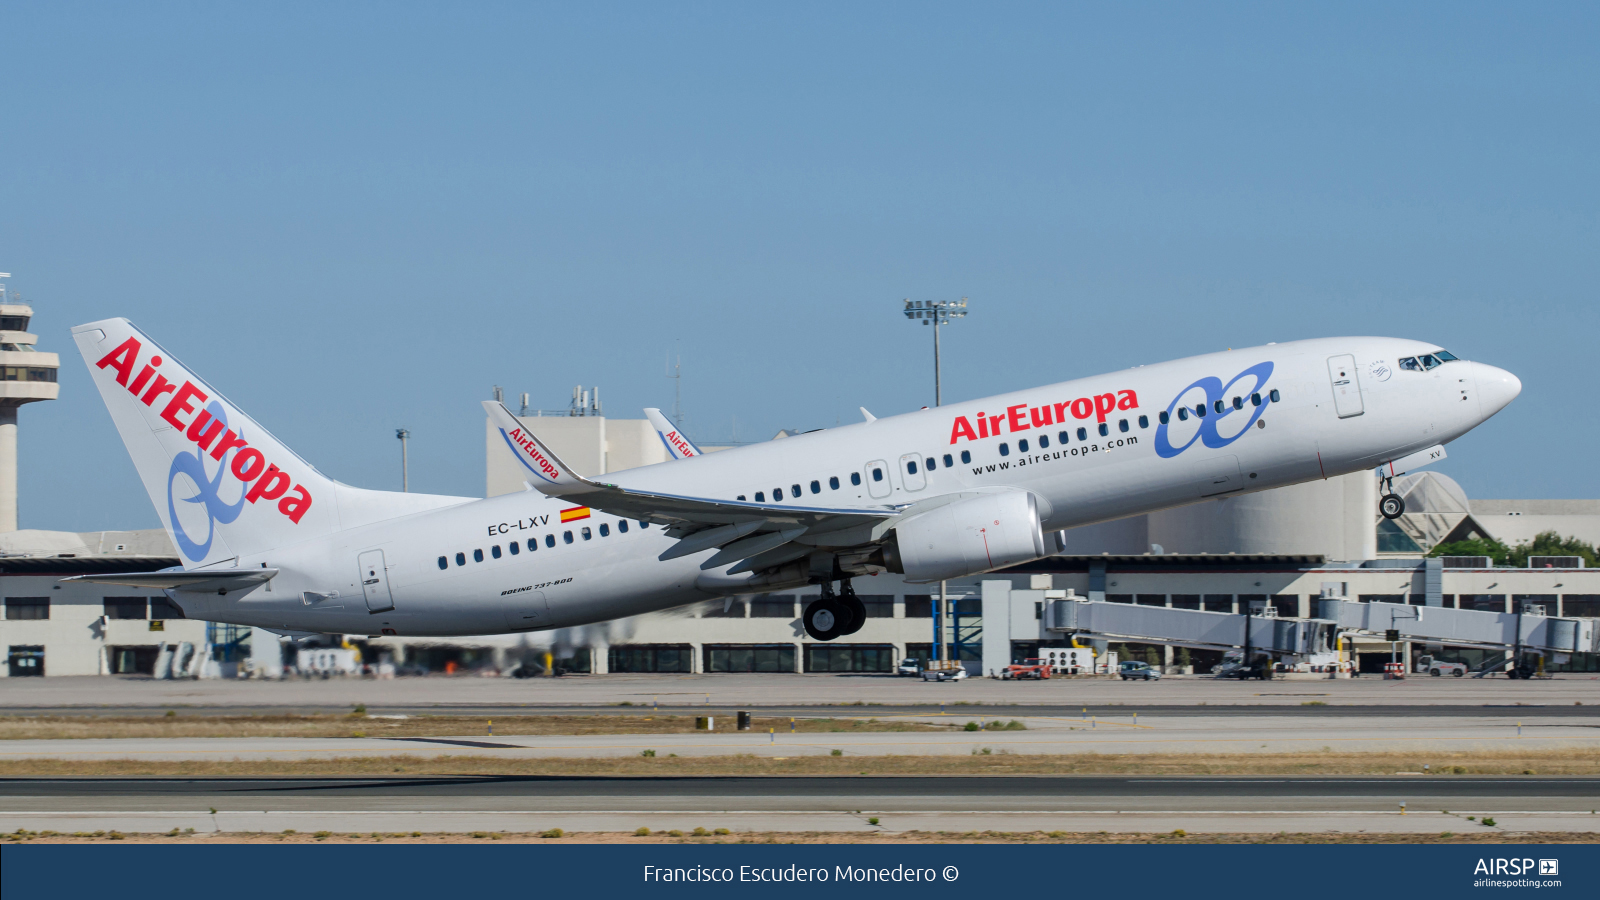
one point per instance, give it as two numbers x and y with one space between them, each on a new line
1139 465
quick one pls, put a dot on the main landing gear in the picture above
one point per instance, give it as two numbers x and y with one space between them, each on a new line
831 616
1391 505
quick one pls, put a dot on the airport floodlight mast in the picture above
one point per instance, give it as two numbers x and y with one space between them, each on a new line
405 464
936 313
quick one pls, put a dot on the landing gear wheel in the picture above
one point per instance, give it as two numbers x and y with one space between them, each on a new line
857 611
825 619
1392 506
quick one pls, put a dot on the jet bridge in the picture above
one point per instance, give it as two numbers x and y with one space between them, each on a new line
1100 620
1305 638
1465 627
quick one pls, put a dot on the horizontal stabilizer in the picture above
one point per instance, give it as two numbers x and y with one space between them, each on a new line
204 580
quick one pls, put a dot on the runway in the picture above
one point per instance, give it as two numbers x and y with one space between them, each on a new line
1004 803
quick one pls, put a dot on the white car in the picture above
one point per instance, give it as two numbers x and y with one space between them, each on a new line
1439 667
944 675
912 667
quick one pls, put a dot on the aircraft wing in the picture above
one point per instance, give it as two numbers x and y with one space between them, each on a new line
222 580
678 444
699 522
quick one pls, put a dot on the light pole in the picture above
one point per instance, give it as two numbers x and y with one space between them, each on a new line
405 464
938 313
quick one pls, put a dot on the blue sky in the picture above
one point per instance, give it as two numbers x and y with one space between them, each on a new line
355 217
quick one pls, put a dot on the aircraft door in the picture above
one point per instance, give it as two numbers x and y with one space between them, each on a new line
911 474
1346 389
375 581
877 475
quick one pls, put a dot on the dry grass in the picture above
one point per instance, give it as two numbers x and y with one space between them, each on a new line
327 726
1443 765
814 837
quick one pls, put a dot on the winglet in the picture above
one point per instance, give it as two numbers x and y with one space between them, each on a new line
550 474
678 444
869 417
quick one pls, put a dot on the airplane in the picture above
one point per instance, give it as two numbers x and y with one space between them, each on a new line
266 540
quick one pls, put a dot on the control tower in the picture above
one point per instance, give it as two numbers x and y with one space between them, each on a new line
26 375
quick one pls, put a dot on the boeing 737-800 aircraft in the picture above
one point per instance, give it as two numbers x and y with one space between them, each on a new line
942 493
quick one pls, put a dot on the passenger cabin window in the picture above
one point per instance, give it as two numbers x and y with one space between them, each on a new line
1122 425
1044 441
1023 445
1183 414
761 496
1273 395
514 547
1255 399
1083 434
566 536
605 530
495 551
622 525
741 496
833 482
1238 403
461 559
1163 418
1144 421
911 467
948 461
1200 410
855 478
1062 437
1005 449
550 539
587 534
777 494
1104 429
643 525
816 487
930 464
533 544
477 556
1218 407
966 457
444 563
877 474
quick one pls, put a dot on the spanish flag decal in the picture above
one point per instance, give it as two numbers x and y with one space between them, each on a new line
574 514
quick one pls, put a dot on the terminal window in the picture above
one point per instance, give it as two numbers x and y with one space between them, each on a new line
919 606
162 608
125 607
1222 603
27 608
879 606
780 606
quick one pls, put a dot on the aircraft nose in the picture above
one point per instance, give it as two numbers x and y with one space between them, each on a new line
1496 388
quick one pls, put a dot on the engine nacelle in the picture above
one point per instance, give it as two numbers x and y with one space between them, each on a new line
978 534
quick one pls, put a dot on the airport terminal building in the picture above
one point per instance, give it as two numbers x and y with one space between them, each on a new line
1277 553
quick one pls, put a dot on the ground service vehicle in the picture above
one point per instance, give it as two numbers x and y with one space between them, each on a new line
1032 669
1439 667
1134 669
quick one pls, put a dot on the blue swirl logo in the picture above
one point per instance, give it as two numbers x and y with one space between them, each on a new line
1207 431
208 493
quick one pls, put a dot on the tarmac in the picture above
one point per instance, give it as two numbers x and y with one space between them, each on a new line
1122 732
465 693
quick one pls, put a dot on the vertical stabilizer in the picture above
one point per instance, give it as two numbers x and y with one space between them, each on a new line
678 444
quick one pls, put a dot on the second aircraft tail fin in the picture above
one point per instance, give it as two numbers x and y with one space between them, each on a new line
678 444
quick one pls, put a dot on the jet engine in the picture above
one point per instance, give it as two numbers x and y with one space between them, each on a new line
976 534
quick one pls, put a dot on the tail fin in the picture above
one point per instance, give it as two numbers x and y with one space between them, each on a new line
221 483
678 444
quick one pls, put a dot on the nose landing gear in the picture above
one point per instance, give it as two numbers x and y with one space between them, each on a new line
1391 505
831 616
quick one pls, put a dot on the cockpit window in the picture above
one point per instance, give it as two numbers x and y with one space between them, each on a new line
1410 364
1445 356
1429 362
